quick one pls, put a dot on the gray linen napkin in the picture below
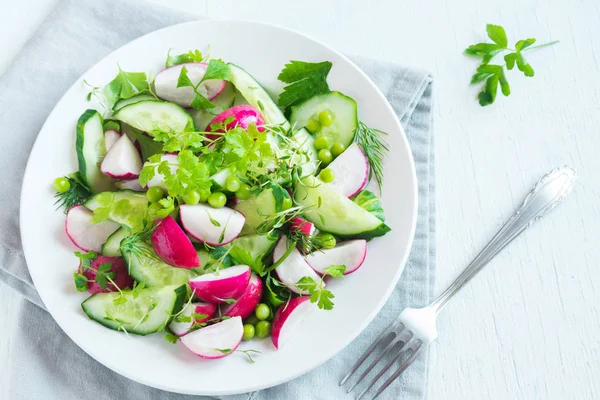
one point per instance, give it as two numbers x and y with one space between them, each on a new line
45 363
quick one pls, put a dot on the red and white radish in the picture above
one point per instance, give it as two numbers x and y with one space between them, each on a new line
351 171
118 267
303 226
213 226
351 253
247 302
110 138
293 268
182 328
288 317
215 341
132 184
173 246
242 116
165 84
85 234
122 161
223 286
159 179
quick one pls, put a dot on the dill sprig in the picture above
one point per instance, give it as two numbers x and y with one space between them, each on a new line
375 148
78 193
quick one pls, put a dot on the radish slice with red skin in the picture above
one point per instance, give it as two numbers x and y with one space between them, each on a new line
293 268
351 253
243 115
215 341
165 84
247 302
122 161
351 171
159 179
288 317
85 234
199 308
222 286
118 266
303 226
110 138
173 246
131 184
213 226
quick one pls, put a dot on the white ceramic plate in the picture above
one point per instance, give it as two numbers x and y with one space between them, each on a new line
262 50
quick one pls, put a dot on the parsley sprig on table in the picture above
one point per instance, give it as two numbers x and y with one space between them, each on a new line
493 74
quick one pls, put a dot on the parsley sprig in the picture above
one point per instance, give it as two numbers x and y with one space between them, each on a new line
318 294
305 80
494 74
216 69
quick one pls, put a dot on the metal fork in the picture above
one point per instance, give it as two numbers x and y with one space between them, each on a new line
415 329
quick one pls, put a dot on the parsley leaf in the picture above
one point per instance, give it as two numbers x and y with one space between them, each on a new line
81 282
335 271
245 258
169 337
319 295
305 81
216 69
103 274
126 85
189 57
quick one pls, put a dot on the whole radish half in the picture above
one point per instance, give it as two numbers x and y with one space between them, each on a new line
288 317
303 226
132 184
159 179
173 246
351 171
213 226
165 84
293 268
223 286
247 302
242 116
85 234
215 341
351 253
122 161
118 267
110 138
181 328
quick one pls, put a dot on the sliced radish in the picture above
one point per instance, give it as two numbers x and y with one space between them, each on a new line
303 226
173 246
351 254
351 171
213 226
132 184
118 267
159 179
215 341
293 268
288 317
110 138
245 305
85 234
122 161
242 116
165 84
223 286
182 328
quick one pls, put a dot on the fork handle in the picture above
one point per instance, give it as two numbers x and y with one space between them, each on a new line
545 195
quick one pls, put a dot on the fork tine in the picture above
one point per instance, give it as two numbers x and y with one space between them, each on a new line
400 370
399 338
367 353
407 346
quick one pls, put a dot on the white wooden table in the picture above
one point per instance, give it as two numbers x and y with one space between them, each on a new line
529 326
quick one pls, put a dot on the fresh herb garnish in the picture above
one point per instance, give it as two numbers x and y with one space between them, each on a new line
126 85
375 148
319 295
244 257
77 193
189 57
216 69
247 353
493 74
169 337
305 81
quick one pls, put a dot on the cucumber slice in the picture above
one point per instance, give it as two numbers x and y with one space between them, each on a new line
91 150
239 99
148 115
145 266
337 214
138 201
342 108
111 247
147 311
307 155
257 245
257 96
222 102
256 209
132 100
218 179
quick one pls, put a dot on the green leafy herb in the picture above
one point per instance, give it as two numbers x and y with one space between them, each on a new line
224 351
305 81
81 282
335 271
169 337
103 274
149 146
319 295
179 141
78 193
189 57
375 148
493 75
277 293
216 69
244 257
126 85
368 201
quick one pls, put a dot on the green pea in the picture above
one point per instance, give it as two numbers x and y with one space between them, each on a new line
327 175
243 193
337 149
263 329
321 143
191 197
313 126
154 194
262 311
326 240
232 183
248 332
325 156
217 200
325 118
61 185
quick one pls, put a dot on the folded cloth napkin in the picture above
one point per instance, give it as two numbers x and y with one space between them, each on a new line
44 363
